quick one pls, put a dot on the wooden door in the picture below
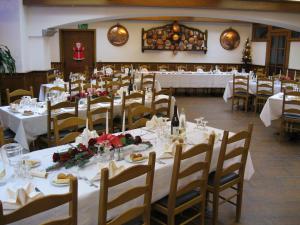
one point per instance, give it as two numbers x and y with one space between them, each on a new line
84 58
278 52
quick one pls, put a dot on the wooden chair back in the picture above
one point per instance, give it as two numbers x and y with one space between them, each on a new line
240 84
89 85
289 85
227 154
132 100
138 116
265 86
260 70
144 67
163 67
100 111
291 103
46 203
138 191
57 89
76 86
162 105
51 109
50 78
112 86
148 80
196 167
1 136
125 80
18 94
72 125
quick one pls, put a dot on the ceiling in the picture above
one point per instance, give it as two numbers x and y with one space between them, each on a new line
266 5
185 19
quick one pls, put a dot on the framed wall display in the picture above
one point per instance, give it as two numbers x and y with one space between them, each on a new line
230 39
174 37
118 35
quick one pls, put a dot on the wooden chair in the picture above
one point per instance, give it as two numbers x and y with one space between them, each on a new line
138 116
18 94
50 78
240 91
148 81
71 125
6 136
162 106
132 100
95 121
125 81
76 86
144 67
264 89
46 203
229 176
290 118
260 71
288 85
133 193
186 197
51 112
163 67
112 86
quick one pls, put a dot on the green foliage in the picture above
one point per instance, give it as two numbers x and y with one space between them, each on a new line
7 62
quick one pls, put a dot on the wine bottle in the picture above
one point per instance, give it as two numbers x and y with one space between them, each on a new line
175 122
130 87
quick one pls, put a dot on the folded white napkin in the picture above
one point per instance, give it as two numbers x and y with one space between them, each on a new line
169 150
200 70
144 70
85 136
113 170
20 197
38 173
121 90
108 71
218 136
154 122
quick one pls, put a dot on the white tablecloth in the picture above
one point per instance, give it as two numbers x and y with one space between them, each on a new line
252 89
192 79
88 197
28 128
272 110
45 87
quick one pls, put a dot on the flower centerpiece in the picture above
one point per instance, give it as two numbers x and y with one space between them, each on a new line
81 154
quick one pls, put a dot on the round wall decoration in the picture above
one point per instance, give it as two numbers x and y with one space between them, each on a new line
230 39
117 35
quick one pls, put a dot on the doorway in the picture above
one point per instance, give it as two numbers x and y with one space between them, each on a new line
278 52
77 50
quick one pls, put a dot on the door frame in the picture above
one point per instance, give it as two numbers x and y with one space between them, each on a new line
287 47
61 49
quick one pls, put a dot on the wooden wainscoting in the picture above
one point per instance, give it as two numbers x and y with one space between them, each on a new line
22 81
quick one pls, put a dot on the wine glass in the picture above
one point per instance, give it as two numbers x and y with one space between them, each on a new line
199 122
204 123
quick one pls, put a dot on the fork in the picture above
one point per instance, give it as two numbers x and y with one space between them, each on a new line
88 181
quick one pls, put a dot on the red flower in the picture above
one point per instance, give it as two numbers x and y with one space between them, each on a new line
55 157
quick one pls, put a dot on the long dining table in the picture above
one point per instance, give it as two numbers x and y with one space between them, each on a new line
29 127
189 79
88 196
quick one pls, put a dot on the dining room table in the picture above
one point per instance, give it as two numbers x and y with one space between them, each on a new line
60 83
28 127
88 193
192 79
272 109
252 88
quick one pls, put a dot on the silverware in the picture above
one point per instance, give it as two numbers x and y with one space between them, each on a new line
88 181
159 161
37 189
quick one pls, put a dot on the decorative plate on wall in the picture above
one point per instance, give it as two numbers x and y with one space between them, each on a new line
230 39
117 35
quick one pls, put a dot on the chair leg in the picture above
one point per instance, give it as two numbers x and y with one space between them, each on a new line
203 208
239 202
232 104
171 219
255 105
282 129
215 207
246 104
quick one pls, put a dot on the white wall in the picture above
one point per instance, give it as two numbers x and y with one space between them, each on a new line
259 50
131 51
294 60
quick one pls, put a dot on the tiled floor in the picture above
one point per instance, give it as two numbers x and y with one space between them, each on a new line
272 196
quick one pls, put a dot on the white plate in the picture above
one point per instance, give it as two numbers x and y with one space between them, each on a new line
128 159
54 177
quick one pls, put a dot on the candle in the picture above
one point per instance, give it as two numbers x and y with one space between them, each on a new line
280 72
295 75
87 124
287 73
106 122
123 123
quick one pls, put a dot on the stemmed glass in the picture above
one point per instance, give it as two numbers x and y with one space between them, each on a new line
199 122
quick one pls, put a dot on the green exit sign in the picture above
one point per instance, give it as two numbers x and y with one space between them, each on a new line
83 26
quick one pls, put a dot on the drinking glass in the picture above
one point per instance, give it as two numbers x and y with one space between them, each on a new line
13 153
199 122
